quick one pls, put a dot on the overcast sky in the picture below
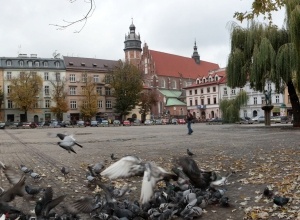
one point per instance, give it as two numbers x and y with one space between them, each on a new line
169 26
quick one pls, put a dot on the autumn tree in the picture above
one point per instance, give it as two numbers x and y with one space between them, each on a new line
59 97
231 107
127 84
25 91
264 52
89 106
148 98
1 102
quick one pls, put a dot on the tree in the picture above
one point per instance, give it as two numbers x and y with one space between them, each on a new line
126 81
25 90
231 107
59 96
264 52
148 98
1 101
264 7
89 106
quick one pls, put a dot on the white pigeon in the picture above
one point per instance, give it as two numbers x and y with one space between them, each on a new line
134 166
220 181
2 217
68 142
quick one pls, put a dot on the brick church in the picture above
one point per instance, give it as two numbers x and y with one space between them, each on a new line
166 73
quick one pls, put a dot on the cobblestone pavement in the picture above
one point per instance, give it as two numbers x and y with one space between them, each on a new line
217 147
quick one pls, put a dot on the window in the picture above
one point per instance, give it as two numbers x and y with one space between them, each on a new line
29 63
72 78
195 91
83 90
57 77
72 90
9 104
217 78
36 105
47 103
107 91
289 99
57 64
33 74
85 104
99 90
202 101
37 64
46 89
215 100
46 76
214 89
96 78
241 89
73 104
262 100
225 91
45 64
190 92
108 104
8 63
201 91
100 104
107 79
208 90
162 83
255 100
84 77
21 63
196 101
191 102
8 75
208 101
277 99
269 86
233 91
174 84
8 89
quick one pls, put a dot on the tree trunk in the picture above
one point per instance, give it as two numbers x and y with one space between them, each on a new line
295 104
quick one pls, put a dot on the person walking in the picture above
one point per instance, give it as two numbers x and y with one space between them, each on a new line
189 118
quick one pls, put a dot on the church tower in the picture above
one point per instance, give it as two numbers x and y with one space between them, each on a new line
133 46
196 56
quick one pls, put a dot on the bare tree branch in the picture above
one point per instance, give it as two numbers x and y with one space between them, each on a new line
83 19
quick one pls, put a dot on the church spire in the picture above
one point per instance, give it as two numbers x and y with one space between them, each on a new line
133 46
196 56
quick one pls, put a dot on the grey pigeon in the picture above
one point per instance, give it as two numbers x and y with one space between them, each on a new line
190 153
32 191
96 169
112 156
65 171
82 205
67 142
24 168
281 201
34 175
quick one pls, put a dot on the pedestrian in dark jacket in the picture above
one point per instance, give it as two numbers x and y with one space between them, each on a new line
189 118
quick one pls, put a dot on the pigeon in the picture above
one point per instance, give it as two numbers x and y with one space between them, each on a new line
112 156
67 142
32 191
47 203
96 169
2 165
268 193
82 205
65 171
198 178
189 152
134 166
220 181
24 168
34 175
281 201
224 201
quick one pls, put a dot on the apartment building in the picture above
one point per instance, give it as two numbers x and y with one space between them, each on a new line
50 69
78 71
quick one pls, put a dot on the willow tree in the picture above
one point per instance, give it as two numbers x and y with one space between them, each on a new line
25 90
127 84
261 53
231 107
89 106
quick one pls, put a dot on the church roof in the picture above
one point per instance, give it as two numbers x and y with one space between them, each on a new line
178 66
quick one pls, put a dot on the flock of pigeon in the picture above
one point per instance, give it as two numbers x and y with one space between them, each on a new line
182 193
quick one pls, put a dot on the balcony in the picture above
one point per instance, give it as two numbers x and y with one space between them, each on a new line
201 107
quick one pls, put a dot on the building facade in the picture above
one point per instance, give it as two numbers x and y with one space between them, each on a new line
50 69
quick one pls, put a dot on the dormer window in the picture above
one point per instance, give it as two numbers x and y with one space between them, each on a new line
30 63
71 63
82 64
21 63
8 62
37 64
217 78
57 64
45 64
94 65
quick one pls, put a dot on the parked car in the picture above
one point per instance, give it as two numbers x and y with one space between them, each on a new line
165 121
215 121
174 121
126 123
245 121
181 121
136 122
29 125
255 119
55 124
284 119
94 124
261 119
148 122
2 125
275 119
104 123
158 122
116 122
80 123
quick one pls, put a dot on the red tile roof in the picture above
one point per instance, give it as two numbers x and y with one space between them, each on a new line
174 65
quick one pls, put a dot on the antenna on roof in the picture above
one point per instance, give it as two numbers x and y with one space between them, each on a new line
55 55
